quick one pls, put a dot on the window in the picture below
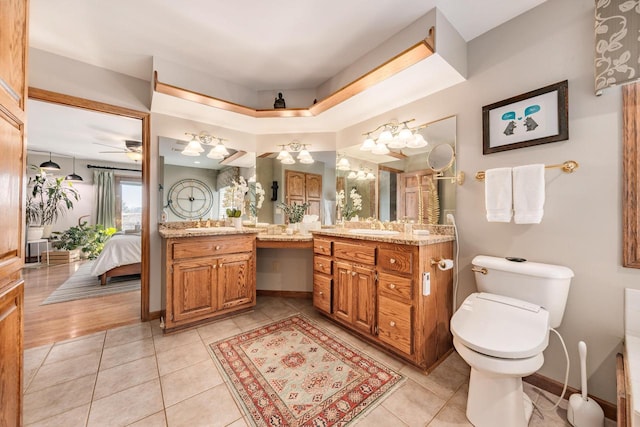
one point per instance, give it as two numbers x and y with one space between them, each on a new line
128 203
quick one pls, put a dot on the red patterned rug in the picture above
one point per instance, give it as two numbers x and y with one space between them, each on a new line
292 373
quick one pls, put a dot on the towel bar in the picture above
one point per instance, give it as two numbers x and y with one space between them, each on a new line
568 167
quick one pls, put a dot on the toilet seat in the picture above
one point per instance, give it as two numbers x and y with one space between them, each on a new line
501 327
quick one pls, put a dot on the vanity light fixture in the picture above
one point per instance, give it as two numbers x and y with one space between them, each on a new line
295 146
393 135
50 165
73 176
343 164
363 174
194 148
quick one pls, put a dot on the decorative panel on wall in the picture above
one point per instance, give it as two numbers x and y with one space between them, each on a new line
617 48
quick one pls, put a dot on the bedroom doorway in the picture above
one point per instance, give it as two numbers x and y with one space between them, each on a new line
131 184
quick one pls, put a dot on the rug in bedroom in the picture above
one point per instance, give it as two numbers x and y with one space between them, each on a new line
82 285
292 373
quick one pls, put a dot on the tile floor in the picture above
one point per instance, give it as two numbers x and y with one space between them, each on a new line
135 376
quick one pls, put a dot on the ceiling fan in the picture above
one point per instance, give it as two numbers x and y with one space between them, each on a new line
132 149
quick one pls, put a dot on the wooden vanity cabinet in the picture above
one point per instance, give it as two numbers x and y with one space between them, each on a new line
377 291
322 275
207 277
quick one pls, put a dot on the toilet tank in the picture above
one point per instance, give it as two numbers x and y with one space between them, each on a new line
546 285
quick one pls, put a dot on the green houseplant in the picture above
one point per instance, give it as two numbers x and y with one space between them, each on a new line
294 212
49 198
90 239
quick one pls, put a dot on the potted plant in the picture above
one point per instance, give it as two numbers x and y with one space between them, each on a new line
294 212
89 239
50 197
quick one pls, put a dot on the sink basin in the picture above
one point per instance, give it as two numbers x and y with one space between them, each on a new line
210 229
371 232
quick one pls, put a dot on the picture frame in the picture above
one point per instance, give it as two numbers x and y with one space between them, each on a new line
533 118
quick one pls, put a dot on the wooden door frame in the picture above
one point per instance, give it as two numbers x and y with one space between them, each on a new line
145 118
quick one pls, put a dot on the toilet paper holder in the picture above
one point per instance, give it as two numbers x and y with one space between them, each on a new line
442 263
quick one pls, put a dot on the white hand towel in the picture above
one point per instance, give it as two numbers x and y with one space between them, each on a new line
498 194
528 194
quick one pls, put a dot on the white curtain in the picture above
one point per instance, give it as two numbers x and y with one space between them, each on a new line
105 185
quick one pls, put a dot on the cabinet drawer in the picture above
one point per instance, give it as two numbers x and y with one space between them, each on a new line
394 324
322 246
322 264
322 292
358 253
395 287
396 260
194 248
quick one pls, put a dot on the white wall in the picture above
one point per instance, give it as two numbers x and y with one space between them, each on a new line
582 226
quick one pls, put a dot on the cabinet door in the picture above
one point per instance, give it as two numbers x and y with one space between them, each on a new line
13 94
342 291
194 288
295 183
235 280
11 312
364 298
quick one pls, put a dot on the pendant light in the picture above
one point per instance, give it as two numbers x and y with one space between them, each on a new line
74 176
50 165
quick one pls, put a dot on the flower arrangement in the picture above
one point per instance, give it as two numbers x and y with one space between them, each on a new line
234 197
346 208
258 199
294 212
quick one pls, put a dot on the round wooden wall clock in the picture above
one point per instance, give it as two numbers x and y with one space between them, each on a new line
190 199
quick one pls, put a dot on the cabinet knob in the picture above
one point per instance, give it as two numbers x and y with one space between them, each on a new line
392 323
353 273
320 265
392 286
217 247
320 293
392 260
215 265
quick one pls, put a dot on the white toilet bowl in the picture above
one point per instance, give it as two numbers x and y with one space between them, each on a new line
502 339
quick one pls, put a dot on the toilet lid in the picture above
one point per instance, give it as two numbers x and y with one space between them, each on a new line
500 326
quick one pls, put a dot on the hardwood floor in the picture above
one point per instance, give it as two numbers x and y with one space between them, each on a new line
45 324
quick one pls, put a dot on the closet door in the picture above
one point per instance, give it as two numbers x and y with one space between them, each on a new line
13 94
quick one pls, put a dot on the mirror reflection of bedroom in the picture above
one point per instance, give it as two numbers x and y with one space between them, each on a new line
83 216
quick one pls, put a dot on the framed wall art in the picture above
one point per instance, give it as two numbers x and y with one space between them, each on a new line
537 117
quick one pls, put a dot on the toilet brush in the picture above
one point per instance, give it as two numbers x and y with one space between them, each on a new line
584 411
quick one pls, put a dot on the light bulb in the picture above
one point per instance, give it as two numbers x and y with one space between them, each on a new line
368 144
343 164
385 136
417 141
288 160
215 155
193 147
283 154
380 148
134 155
220 149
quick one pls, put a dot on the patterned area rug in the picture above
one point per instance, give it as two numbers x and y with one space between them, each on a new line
292 373
82 285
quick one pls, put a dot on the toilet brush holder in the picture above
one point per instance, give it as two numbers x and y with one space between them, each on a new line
582 410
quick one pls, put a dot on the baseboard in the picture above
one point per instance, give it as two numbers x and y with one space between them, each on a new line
155 314
285 294
555 387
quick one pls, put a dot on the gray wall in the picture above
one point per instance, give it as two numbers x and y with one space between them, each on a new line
582 225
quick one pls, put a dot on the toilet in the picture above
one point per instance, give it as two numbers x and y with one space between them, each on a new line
502 330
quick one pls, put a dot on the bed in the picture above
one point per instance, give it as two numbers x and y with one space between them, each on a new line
120 257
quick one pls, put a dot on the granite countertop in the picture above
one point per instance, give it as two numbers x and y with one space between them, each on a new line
401 238
285 237
169 233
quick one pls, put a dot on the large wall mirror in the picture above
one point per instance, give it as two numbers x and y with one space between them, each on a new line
298 183
192 187
409 184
